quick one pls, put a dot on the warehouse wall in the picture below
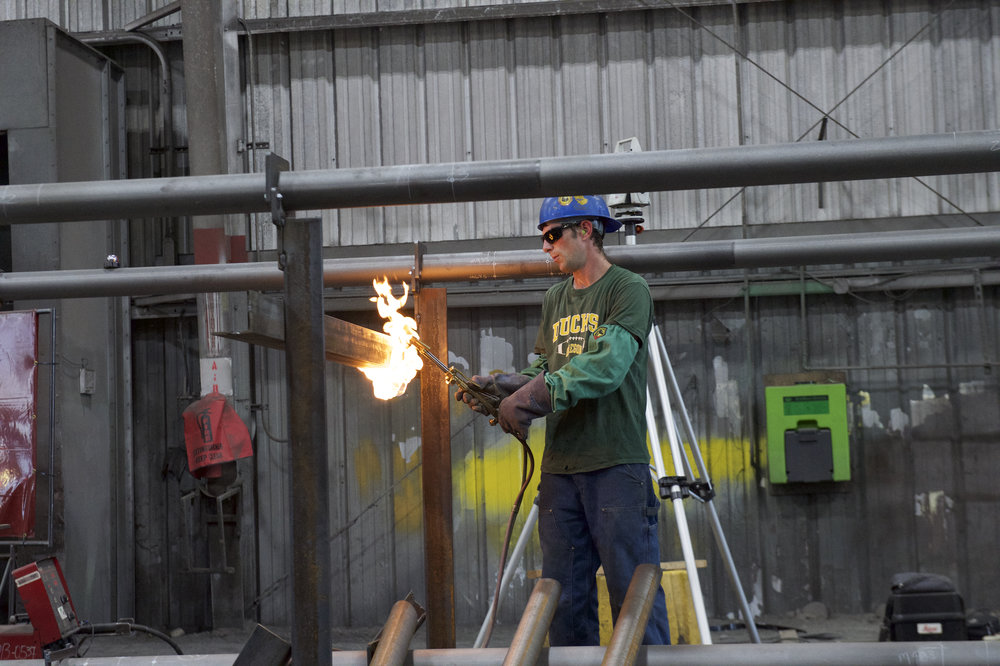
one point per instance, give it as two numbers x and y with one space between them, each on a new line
62 116
399 88
924 433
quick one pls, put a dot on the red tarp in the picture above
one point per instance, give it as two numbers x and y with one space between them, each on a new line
18 387
214 434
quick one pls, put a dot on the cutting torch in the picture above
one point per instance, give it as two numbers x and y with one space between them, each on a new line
489 400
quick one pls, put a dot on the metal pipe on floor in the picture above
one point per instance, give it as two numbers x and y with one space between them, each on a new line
951 653
510 264
394 644
526 645
653 171
954 653
633 617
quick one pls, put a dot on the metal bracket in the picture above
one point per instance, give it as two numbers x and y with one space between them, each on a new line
189 506
820 189
701 489
273 166
418 267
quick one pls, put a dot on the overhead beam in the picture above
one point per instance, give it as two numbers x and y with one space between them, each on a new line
406 17
520 10
152 17
653 171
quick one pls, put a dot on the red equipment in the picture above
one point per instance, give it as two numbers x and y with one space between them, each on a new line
42 588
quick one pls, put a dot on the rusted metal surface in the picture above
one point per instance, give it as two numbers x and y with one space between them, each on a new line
435 433
306 381
345 343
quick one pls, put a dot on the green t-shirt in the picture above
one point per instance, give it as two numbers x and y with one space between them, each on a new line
592 344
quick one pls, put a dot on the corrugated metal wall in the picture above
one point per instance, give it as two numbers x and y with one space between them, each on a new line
532 86
921 495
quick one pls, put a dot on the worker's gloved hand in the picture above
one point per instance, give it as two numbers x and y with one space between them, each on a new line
501 385
524 405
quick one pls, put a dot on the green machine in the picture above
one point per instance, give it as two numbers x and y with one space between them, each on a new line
807 433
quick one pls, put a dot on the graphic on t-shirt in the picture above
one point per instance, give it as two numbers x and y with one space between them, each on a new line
570 333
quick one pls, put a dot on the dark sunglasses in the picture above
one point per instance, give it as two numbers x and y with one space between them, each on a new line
555 233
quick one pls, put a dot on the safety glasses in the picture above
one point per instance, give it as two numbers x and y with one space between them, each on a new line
555 233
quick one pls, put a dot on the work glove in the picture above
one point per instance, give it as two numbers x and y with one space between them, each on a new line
501 385
524 405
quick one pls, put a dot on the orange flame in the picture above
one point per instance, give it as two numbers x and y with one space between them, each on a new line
390 380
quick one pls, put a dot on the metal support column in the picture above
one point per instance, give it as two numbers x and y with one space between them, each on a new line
435 433
305 370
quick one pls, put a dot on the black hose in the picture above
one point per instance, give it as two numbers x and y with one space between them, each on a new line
119 628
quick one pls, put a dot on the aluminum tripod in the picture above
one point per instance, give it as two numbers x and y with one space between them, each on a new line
678 485
684 482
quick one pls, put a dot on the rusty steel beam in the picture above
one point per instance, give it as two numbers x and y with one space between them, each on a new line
345 343
431 309
307 429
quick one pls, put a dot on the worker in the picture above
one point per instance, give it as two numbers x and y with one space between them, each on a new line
596 500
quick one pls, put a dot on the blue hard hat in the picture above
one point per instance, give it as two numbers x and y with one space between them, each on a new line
581 207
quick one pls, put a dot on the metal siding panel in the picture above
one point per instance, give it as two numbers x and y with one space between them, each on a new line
313 111
472 588
274 493
359 135
272 115
404 114
494 124
448 133
858 102
959 65
535 83
537 116
715 107
488 472
579 89
402 108
626 78
912 93
673 79
150 519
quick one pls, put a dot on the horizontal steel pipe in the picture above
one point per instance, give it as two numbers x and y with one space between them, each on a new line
512 264
958 653
697 168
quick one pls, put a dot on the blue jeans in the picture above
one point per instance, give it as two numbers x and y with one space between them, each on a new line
607 517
